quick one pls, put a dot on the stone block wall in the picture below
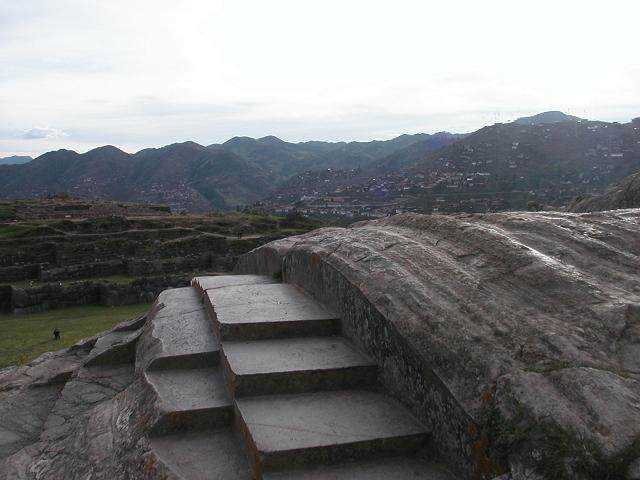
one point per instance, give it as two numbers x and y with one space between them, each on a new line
18 273
51 296
79 271
143 290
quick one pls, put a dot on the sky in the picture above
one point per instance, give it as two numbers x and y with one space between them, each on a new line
78 74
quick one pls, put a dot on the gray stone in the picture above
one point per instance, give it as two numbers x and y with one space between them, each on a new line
253 311
114 348
286 430
202 456
634 470
460 310
190 389
296 354
395 468
206 283
180 325
296 365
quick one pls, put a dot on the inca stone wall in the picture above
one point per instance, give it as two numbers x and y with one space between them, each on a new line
55 295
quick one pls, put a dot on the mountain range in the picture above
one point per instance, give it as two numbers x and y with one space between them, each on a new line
553 155
15 160
193 177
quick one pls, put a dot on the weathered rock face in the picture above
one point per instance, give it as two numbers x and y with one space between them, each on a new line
76 413
515 336
625 194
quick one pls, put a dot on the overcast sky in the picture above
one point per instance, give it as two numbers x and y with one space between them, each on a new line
137 73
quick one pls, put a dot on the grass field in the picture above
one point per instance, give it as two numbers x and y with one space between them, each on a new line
24 337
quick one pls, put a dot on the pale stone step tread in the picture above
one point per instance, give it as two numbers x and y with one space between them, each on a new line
221 281
395 468
182 325
207 455
292 355
190 389
281 423
265 304
179 299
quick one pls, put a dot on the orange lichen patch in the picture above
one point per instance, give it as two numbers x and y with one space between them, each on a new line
487 396
314 260
150 466
472 430
174 420
482 464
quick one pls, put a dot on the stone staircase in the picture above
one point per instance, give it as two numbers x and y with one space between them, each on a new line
253 380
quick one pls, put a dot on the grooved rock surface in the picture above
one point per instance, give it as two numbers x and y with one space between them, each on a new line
625 194
500 323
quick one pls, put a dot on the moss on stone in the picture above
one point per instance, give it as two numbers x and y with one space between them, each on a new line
555 452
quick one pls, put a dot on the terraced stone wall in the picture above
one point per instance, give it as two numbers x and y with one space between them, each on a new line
18 273
53 295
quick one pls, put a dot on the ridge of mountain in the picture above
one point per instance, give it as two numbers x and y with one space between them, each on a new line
550 164
499 167
557 161
15 160
285 159
185 175
547 117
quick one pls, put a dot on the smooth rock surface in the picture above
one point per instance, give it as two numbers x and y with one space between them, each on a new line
394 468
203 456
292 355
207 283
180 324
265 304
190 389
293 422
461 309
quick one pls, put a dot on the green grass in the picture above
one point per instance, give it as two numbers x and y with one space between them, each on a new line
24 337
10 231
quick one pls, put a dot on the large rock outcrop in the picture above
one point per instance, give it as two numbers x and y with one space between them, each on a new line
514 336
625 194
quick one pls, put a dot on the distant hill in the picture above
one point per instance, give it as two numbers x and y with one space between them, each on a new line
625 194
185 176
414 152
15 160
547 117
284 159
548 159
556 162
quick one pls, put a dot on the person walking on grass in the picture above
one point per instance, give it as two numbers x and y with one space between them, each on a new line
56 334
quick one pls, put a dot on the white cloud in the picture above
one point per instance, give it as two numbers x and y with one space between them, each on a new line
151 72
43 132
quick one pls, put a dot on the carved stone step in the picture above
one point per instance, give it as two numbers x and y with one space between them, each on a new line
206 455
295 365
190 399
249 312
293 431
183 330
394 468
203 284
